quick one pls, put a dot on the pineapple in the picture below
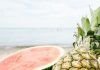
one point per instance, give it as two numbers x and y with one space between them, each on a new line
86 52
77 59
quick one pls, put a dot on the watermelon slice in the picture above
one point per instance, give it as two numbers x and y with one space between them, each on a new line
34 58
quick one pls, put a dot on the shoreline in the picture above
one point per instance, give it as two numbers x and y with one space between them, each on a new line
25 46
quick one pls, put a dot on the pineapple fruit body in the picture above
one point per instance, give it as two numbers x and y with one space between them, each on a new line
77 59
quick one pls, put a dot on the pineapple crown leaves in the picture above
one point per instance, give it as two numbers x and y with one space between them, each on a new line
95 18
86 24
80 31
84 30
90 29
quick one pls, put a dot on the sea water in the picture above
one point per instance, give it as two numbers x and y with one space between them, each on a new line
35 36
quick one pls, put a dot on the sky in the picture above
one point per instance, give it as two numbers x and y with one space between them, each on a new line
44 13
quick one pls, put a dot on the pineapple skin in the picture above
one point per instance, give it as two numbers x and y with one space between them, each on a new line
77 59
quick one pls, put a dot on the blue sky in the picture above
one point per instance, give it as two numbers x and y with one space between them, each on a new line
43 13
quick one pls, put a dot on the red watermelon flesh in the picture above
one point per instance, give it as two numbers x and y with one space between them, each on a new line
31 58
